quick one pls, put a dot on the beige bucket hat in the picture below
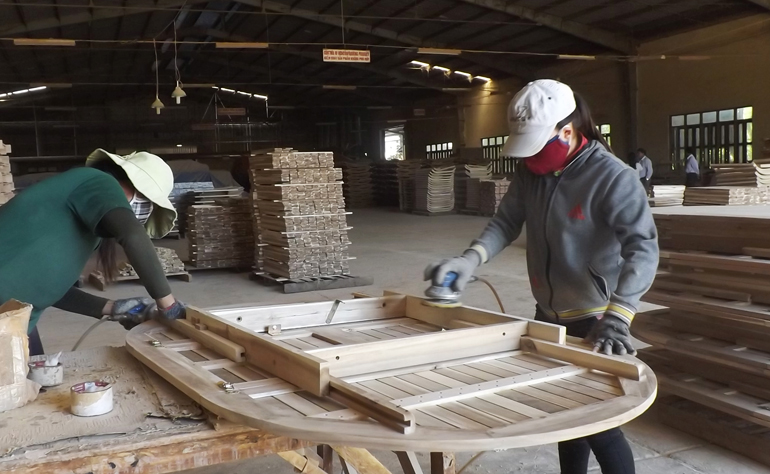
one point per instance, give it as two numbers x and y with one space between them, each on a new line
152 177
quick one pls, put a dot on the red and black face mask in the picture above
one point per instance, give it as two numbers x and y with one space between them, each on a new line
553 157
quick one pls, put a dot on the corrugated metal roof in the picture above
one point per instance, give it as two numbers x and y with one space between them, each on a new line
112 41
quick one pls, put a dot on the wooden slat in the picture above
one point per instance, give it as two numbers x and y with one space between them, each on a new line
212 341
421 349
372 405
484 388
612 365
313 314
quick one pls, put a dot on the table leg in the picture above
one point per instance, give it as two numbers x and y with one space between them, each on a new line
442 463
304 464
361 460
327 455
409 463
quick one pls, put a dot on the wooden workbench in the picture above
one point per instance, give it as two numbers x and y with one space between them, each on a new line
153 429
43 437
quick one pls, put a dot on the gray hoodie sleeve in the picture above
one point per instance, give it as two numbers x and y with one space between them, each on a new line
628 213
506 224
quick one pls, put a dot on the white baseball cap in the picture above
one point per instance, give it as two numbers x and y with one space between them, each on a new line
533 115
152 177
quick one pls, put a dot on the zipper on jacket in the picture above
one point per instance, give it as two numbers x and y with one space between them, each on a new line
548 248
545 233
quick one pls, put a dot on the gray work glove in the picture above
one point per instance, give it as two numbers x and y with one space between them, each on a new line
131 312
178 310
464 267
611 335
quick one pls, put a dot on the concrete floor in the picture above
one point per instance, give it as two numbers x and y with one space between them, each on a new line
394 248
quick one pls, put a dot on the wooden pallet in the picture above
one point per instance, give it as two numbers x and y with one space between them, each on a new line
100 283
312 284
729 432
393 373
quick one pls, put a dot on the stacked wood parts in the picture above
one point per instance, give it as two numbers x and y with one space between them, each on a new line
663 196
385 183
713 233
6 178
220 233
734 174
475 174
357 183
169 260
725 196
172 267
434 190
182 198
298 199
711 345
762 169
406 171
491 194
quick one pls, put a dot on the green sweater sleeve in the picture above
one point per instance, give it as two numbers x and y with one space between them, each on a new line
120 224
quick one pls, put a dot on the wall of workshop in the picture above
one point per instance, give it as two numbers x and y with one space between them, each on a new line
730 69
438 125
601 83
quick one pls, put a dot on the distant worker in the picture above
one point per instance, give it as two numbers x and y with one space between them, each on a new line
692 169
644 167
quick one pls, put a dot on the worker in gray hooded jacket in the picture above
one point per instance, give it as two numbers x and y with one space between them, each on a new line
592 248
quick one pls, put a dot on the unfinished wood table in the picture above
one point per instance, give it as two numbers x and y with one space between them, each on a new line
392 373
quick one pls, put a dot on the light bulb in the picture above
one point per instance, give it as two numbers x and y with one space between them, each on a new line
178 94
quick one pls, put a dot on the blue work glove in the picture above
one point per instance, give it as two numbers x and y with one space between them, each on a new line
464 267
611 335
131 312
176 311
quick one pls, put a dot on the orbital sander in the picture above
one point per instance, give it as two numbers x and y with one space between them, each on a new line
443 296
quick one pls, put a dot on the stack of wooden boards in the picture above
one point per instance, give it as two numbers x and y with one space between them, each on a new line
663 196
726 196
6 178
711 346
475 174
385 182
434 190
168 258
220 233
734 174
302 223
357 183
406 170
182 196
491 194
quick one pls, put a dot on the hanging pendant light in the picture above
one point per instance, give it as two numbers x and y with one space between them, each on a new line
178 93
157 105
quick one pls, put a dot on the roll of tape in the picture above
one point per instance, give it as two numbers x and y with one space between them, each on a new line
91 398
46 376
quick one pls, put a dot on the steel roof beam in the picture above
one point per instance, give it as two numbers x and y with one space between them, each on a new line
87 16
591 34
510 67
762 3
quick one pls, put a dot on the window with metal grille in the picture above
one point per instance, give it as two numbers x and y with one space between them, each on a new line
718 136
604 130
491 148
437 151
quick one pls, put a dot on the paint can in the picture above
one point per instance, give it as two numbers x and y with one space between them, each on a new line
91 398
46 375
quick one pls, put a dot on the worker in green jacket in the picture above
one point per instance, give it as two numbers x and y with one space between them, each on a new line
50 231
